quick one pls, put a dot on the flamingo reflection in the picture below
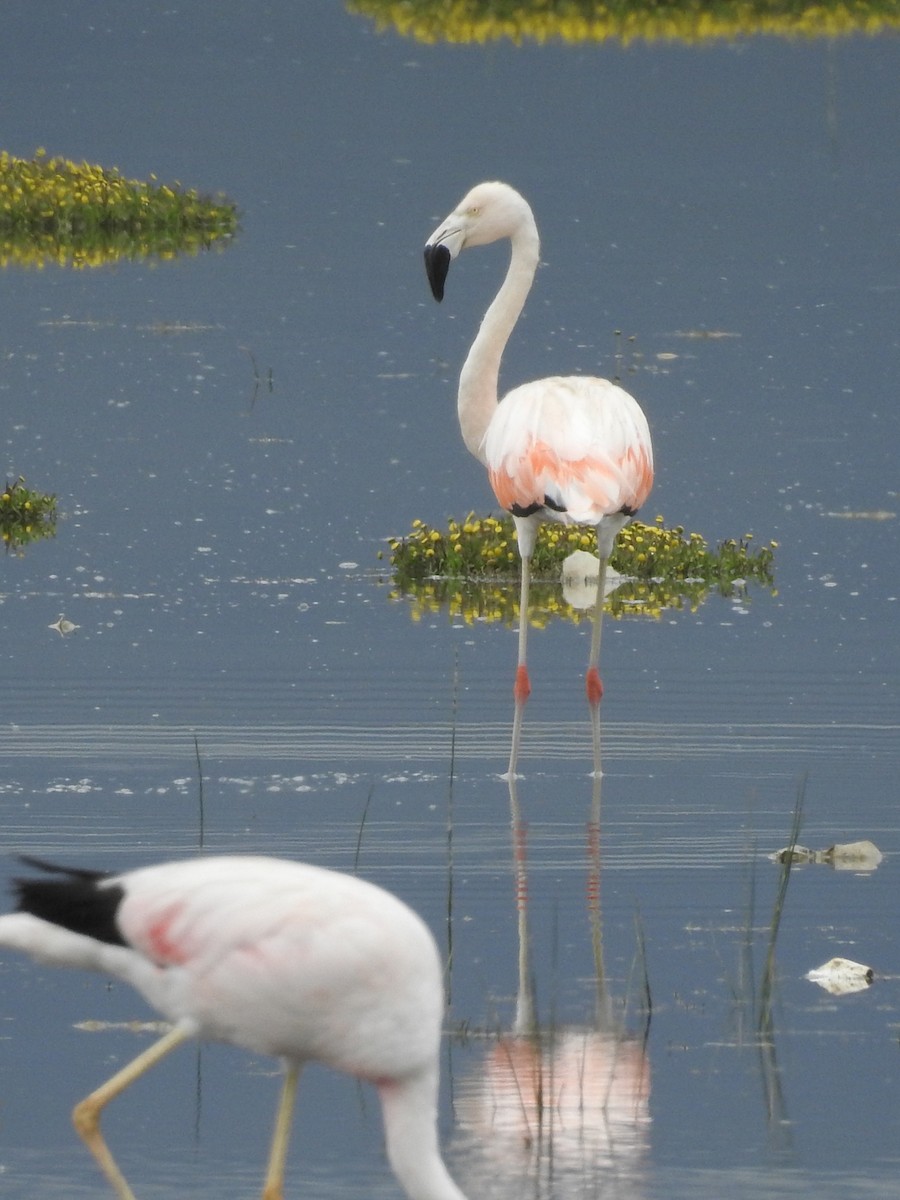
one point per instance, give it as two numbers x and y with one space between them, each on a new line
554 1111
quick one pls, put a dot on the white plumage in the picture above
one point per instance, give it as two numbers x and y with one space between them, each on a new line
576 441
279 957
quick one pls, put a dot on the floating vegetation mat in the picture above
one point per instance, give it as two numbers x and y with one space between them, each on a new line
78 215
626 21
25 516
472 570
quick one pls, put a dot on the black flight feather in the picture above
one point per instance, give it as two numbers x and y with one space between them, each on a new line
528 510
72 899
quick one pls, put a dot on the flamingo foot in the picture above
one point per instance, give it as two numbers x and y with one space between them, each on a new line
593 685
522 686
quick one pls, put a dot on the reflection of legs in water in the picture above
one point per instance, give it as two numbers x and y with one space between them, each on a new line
595 912
559 1100
525 1015
593 683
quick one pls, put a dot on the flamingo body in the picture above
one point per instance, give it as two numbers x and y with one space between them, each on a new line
281 958
575 449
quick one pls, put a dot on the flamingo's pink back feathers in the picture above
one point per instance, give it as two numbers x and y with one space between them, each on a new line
582 444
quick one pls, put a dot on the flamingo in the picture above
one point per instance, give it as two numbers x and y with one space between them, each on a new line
574 449
278 957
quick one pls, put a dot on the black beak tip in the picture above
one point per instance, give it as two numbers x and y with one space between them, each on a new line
437 264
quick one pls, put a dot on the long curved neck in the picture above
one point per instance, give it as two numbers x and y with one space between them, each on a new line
409 1107
478 397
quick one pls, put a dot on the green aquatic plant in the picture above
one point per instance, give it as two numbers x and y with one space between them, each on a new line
482 601
478 21
25 515
466 569
79 215
483 547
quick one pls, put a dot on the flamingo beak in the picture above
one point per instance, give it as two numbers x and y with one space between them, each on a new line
437 264
440 250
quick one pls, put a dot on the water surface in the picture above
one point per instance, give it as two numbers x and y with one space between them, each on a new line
218 552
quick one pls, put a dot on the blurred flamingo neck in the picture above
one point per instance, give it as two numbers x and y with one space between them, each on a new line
409 1107
478 396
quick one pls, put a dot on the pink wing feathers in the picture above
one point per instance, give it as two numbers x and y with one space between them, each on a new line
579 444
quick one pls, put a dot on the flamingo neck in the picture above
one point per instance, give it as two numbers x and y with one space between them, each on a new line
409 1107
478 395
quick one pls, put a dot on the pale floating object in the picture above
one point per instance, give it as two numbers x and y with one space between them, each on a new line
63 625
797 855
842 856
705 333
92 1025
580 566
877 514
853 856
842 976
580 572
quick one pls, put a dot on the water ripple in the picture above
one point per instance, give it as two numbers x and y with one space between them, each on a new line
432 742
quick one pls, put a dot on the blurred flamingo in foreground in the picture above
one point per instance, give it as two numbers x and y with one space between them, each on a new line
574 449
279 957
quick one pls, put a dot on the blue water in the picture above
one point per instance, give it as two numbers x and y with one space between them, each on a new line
219 554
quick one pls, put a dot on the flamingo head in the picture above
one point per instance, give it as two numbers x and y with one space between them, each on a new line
488 212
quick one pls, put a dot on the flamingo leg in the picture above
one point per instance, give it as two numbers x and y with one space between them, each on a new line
274 1187
593 684
522 686
86 1114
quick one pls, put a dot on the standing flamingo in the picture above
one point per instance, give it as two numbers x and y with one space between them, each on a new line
574 449
279 957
